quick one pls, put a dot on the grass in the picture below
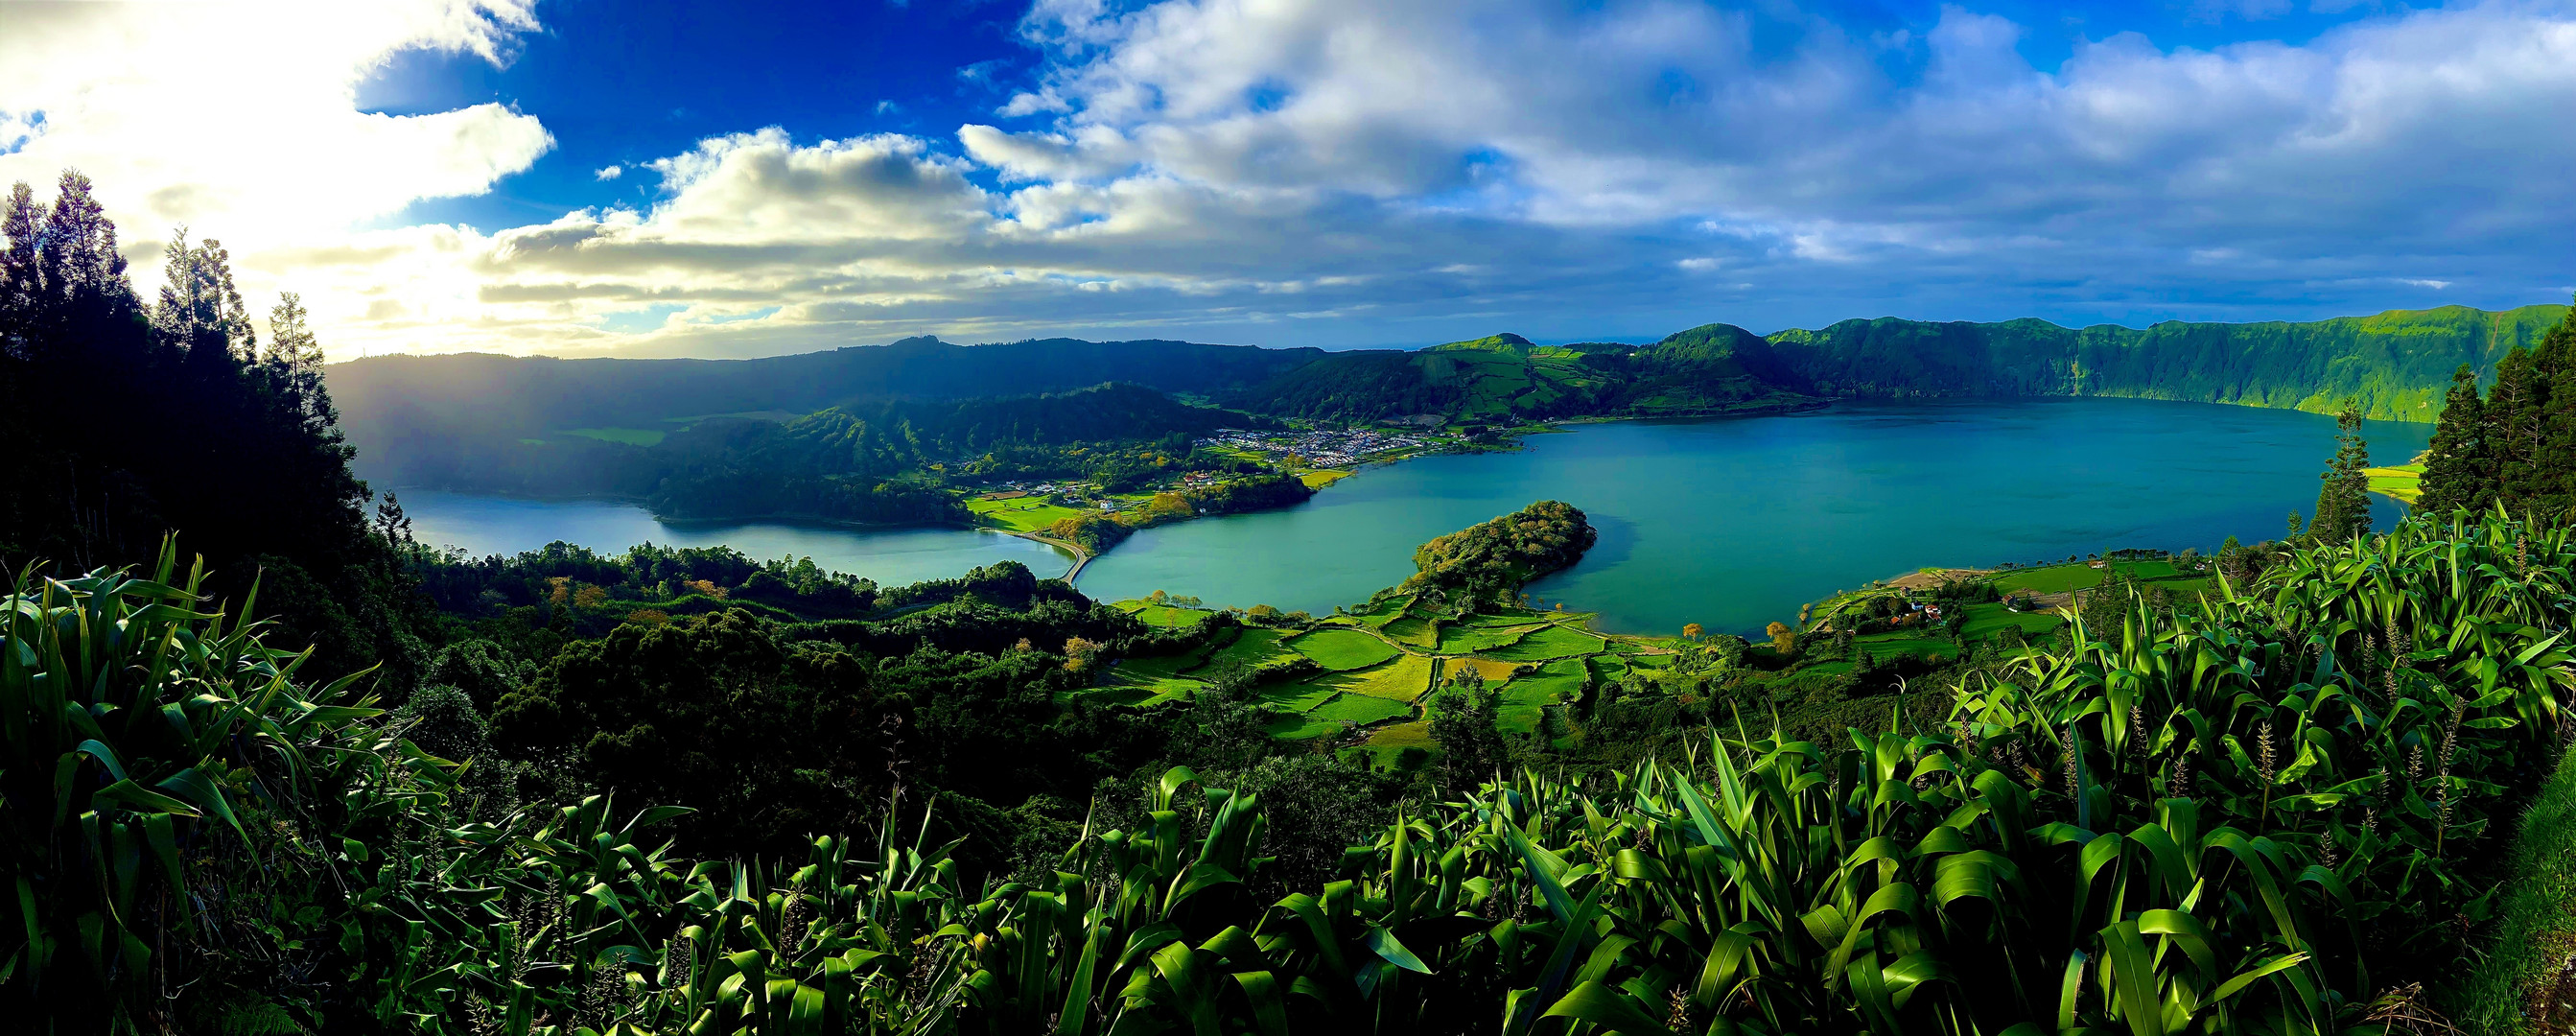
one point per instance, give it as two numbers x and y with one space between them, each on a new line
2404 482
1554 682
1986 620
627 436
1885 644
1297 697
1300 728
1163 615
1556 641
1252 650
1401 680
1411 629
1025 514
1359 708
1321 477
1385 612
1494 672
2535 925
1343 649
1519 719
2055 579
1387 742
1465 638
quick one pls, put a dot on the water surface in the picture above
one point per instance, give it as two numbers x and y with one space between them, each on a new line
893 557
1733 523
1730 523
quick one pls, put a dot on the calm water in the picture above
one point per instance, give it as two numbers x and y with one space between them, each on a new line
894 557
1734 523
1728 523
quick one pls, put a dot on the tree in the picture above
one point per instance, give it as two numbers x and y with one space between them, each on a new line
1783 639
2343 503
2515 427
2460 473
1692 631
1462 721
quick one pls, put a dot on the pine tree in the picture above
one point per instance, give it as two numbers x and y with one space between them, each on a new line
2460 474
2343 503
2515 427
2552 481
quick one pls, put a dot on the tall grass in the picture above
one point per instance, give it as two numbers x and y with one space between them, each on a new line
2523 983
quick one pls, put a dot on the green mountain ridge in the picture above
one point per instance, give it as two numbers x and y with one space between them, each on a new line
2395 363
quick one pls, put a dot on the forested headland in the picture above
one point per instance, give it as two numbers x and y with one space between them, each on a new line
2277 790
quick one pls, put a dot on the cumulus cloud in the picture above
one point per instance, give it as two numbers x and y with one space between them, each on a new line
241 120
608 172
1354 172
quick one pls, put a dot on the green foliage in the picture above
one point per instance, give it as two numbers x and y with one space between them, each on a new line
2248 821
1496 558
2343 503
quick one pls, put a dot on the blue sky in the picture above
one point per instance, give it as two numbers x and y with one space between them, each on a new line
588 178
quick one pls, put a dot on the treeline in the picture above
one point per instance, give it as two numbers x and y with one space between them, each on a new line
123 418
2515 445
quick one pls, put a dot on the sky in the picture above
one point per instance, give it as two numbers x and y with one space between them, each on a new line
587 178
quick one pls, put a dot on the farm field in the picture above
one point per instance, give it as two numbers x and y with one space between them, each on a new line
1020 514
1558 640
1401 680
1343 649
1164 615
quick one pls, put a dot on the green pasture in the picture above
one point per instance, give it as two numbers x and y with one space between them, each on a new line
1986 620
1558 640
1252 649
1466 638
1299 728
1413 630
1558 681
1163 615
1023 514
1401 680
1343 649
1360 708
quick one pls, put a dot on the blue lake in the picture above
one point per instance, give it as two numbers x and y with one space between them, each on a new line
892 557
1729 523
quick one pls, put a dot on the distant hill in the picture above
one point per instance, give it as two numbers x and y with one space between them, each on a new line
2396 363
407 414
547 426
1508 377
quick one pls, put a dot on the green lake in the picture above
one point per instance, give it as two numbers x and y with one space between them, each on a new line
1730 523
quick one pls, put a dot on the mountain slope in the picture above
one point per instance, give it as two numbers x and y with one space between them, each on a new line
406 411
2396 363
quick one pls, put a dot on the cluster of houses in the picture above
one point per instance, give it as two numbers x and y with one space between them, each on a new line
1326 448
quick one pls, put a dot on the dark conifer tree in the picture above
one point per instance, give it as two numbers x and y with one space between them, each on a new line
2515 425
2552 480
2343 503
126 422
2459 474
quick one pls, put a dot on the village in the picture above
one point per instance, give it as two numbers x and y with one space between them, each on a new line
1317 448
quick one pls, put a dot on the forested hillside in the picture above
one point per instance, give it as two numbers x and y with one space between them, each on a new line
408 413
2397 364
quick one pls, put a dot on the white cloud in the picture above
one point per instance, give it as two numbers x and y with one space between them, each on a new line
1362 172
608 172
241 120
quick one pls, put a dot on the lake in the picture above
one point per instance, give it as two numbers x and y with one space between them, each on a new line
893 557
1735 523
1730 523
